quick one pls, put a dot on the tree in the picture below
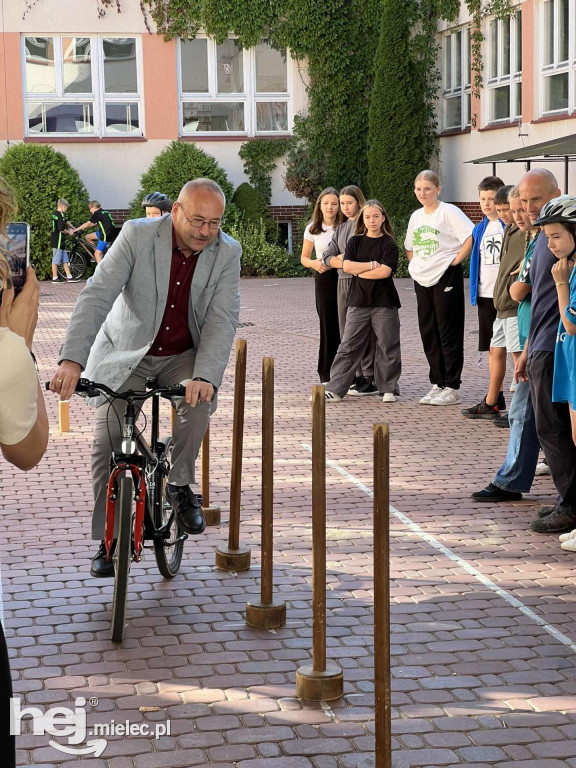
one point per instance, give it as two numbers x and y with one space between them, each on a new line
178 163
401 119
38 176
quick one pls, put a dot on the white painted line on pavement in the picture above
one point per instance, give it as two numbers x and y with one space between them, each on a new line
415 528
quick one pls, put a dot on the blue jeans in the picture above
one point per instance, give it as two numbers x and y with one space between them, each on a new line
517 471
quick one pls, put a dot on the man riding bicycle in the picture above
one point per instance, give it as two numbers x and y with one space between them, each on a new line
173 317
105 232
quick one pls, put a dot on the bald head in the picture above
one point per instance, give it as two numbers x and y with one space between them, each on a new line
197 213
537 187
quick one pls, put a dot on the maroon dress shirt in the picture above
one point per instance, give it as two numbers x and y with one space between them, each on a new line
173 336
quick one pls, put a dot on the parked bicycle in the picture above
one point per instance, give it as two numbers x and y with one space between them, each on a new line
80 255
137 509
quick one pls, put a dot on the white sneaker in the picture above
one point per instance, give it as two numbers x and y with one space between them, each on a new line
447 396
542 468
567 535
434 392
513 386
569 544
388 397
329 397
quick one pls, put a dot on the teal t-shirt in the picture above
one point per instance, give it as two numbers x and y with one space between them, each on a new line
525 305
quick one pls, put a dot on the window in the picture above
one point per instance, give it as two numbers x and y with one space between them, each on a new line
456 80
225 89
85 86
558 56
505 69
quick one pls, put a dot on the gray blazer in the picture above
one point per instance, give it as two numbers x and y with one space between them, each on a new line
118 313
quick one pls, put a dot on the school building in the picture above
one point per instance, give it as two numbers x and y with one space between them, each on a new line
111 96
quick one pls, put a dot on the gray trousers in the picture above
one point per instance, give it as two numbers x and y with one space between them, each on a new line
366 365
189 428
361 322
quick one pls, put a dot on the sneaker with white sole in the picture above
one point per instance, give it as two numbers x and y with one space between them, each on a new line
434 392
388 397
569 544
329 397
566 536
542 468
447 396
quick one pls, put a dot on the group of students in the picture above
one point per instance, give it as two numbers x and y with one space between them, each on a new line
523 285
155 204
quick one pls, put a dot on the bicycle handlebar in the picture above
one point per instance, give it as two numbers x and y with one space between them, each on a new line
93 389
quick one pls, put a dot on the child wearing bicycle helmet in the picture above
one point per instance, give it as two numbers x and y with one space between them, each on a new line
558 221
156 204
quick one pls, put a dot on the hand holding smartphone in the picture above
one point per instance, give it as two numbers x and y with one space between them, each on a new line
16 248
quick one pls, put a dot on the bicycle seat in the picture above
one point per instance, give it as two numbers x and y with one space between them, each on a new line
152 382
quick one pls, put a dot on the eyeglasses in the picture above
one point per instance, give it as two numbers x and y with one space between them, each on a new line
198 223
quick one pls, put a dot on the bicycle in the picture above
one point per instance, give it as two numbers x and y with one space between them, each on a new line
79 257
136 503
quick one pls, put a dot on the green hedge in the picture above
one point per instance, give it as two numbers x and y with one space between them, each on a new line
253 208
261 258
38 176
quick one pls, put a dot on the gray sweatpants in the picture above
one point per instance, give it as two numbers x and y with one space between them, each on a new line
366 366
361 322
189 428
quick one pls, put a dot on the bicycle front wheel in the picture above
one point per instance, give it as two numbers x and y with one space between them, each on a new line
168 549
78 265
122 556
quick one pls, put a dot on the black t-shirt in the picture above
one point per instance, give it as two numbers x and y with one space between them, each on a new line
104 223
373 293
58 226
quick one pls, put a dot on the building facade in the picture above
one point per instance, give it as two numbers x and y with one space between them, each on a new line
110 95
528 93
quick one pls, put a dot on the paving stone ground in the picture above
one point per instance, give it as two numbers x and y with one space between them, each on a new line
483 626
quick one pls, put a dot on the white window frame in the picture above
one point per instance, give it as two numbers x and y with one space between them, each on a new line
450 88
558 67
512 80
249 97
98 98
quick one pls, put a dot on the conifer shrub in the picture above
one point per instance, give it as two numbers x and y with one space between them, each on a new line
253 208
38 176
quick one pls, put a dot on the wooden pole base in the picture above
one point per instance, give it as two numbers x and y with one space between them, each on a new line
319 686
233 559
267 616
64 416
212 515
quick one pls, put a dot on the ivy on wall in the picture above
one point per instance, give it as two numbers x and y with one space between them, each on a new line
259 158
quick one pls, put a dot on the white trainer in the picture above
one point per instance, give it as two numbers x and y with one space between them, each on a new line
569 544
542 468
447 396
329 397
567 535
434 392
388 397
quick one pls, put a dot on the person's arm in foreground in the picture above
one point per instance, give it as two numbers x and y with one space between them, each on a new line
21 315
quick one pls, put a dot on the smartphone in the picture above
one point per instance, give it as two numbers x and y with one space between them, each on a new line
16 248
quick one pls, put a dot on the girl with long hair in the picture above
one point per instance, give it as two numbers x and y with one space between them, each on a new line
436 244
317 236
370 258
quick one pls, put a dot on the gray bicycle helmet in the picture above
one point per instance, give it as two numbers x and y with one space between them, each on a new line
560 209
157 200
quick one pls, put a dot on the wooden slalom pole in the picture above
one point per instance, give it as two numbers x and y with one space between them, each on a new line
266 613
212 515
319 682
235 557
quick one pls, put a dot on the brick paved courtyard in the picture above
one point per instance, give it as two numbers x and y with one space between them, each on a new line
483 621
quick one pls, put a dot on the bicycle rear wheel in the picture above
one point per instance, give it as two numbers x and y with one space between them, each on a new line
78 265
168 549
122 556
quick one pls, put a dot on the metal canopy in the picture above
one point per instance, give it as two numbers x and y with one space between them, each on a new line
554 151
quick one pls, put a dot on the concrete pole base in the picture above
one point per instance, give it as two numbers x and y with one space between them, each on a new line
319 686
212 515
266 615
233 559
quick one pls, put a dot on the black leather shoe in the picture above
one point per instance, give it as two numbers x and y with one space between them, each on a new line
102 568
545 511
493 493
557 521
501 421
187 508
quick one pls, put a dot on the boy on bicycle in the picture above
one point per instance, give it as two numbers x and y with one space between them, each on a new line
105 229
